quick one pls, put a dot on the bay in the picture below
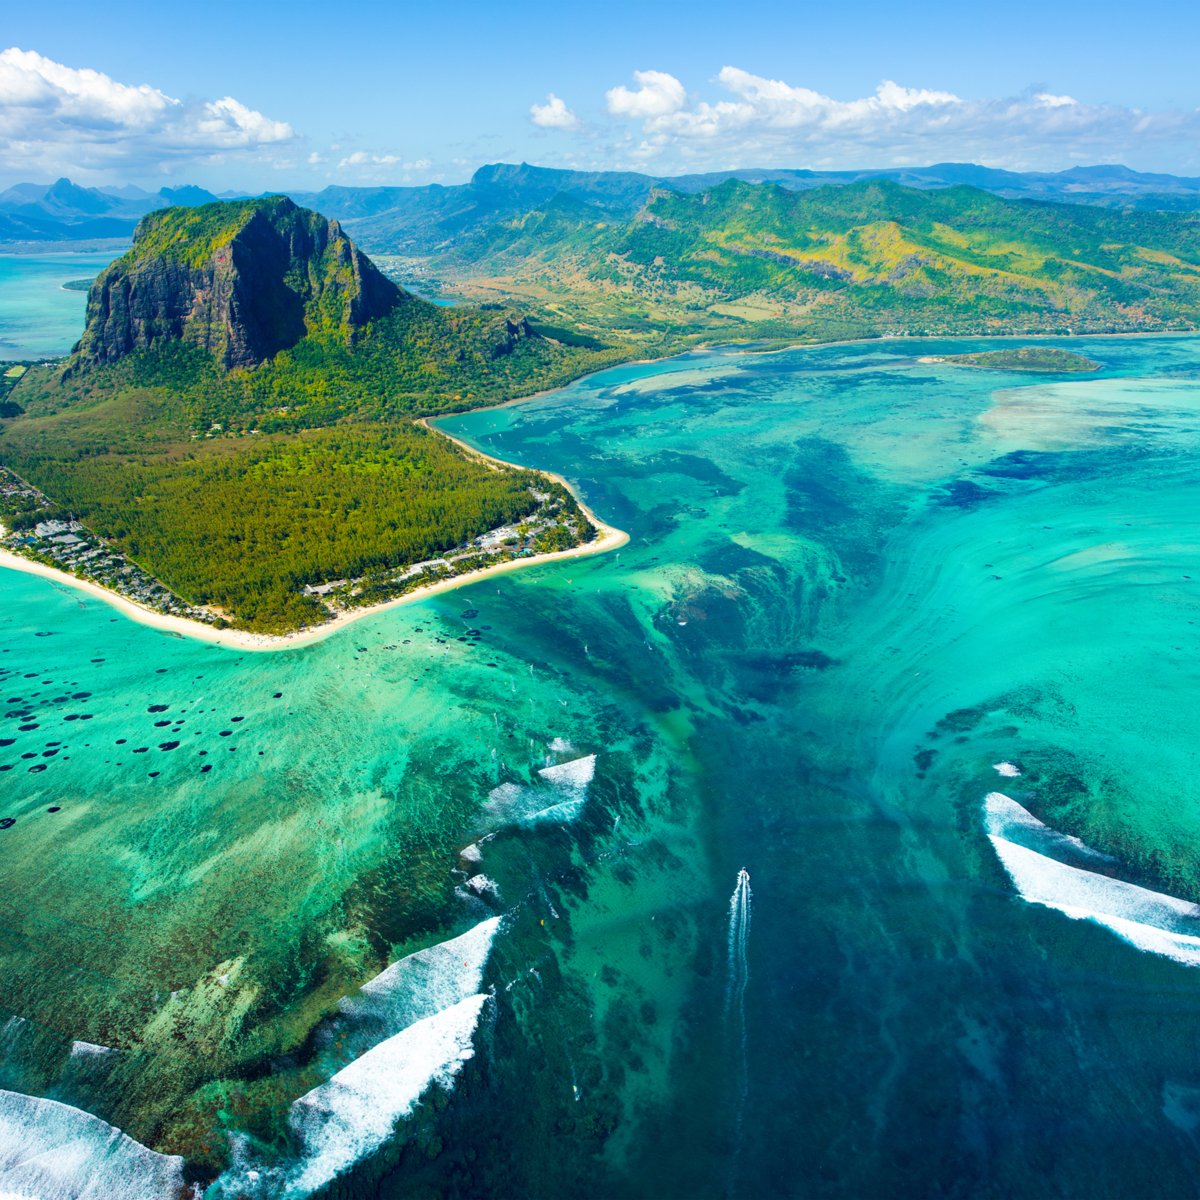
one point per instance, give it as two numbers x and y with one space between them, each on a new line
39 318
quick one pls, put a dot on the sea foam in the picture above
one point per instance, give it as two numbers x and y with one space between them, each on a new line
408 1027
353 1114
577 773
514 803
51 1151
1007 819
424 983
1151 921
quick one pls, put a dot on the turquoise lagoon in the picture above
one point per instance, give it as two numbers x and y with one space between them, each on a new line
914 645
39 318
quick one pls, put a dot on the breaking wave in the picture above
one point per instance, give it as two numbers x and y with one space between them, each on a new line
416 987
408 1028
1007 819
1151 921
577 773
51 1151
352 1115
514 803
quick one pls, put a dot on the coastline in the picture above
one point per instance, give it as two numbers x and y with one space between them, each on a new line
931 337
609 538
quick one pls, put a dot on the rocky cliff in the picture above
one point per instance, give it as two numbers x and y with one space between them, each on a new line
244 279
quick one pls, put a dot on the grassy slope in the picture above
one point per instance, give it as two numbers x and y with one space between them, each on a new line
868 258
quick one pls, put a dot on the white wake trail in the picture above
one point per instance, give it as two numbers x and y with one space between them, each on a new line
737 977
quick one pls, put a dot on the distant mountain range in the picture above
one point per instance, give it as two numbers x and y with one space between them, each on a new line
431 219
870 257
423 220
65 212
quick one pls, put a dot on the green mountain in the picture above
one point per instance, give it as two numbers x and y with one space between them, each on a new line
434 218
237 418
242 279
866 258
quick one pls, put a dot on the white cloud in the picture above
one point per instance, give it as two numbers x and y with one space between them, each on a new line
366 167
554 114
756 121
658 95
1054 101
55 118
229 123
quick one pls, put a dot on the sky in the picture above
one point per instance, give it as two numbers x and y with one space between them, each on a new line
266 95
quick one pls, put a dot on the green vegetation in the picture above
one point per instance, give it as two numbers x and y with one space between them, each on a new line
238 487
1026 358
193 236
756 261
239 451
242 525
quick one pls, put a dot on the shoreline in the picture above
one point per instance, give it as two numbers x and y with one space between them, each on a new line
610 538
926 337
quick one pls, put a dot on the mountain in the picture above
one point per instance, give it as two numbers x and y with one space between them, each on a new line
425 220
244 280
237 420
432 219
860 258
189 196
64 211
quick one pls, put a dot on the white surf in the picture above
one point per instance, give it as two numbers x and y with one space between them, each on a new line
52 1151
1152 921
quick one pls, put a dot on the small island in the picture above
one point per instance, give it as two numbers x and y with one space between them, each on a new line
1024 358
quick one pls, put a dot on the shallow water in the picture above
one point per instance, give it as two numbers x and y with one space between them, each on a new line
855 584
39 318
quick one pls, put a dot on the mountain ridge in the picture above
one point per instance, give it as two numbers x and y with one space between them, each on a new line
394 218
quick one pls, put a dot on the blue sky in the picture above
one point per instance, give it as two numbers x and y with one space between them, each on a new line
302 94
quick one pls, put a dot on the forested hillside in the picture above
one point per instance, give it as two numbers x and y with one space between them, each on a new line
238 417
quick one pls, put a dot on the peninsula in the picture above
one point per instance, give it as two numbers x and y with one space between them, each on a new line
234 440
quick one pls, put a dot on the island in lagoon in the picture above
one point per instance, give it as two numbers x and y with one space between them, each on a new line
1048 359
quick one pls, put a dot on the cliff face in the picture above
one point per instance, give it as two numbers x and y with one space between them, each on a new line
243 279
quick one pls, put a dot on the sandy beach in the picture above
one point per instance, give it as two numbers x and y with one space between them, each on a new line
608 538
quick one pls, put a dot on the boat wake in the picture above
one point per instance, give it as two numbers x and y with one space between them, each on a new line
736 979
1059 872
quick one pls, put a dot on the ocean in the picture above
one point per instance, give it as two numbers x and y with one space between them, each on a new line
835 837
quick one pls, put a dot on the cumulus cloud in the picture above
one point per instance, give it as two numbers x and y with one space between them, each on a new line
554 114
55 118
758 121
658 95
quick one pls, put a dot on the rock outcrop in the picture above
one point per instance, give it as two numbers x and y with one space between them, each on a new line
244 279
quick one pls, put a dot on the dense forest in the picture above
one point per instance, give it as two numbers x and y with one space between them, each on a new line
238 485
243 524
